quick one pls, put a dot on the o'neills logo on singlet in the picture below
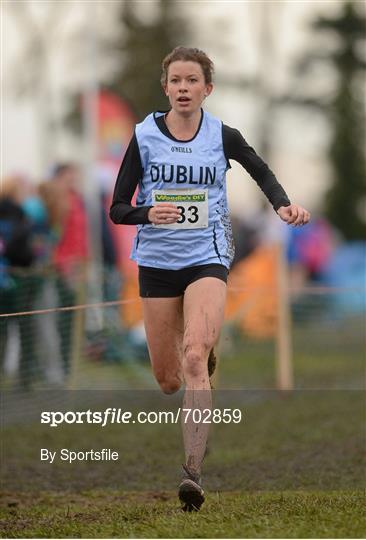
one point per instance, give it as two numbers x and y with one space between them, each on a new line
182 174
184 149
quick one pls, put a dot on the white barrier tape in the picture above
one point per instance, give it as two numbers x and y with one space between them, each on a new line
69 308
311 290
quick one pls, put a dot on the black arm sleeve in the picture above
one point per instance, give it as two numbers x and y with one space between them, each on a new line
236 147
130 173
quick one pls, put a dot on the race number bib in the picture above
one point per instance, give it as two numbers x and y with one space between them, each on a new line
193 204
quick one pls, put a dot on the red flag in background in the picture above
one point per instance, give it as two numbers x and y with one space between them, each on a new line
116 123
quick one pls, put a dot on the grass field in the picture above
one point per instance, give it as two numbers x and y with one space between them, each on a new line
295 466
116 514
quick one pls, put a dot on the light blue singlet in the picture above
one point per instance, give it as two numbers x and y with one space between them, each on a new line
197 169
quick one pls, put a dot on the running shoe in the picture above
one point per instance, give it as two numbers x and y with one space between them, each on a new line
190 493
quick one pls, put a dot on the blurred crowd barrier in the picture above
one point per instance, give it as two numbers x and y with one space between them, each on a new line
64 316
54 338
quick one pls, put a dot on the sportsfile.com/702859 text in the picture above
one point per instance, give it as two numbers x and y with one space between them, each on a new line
114 415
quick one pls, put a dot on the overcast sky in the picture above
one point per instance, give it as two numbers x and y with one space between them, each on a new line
229 32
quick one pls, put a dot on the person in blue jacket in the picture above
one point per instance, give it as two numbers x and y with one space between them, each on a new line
184 247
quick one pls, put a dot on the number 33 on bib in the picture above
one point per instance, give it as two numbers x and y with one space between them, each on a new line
193 204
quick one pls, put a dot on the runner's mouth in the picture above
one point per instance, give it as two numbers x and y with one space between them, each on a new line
183 100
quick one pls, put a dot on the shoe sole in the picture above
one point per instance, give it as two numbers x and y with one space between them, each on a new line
191 495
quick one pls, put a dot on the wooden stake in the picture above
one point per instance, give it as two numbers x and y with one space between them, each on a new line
284 369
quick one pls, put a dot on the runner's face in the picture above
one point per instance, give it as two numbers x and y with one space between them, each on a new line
186 87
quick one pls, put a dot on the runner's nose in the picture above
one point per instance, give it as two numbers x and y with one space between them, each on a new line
183 86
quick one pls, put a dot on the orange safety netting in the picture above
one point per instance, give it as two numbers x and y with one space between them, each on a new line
252 293
131 313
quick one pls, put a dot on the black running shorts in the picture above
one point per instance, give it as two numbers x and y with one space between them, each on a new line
159 283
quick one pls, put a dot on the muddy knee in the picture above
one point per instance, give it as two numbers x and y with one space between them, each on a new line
195 361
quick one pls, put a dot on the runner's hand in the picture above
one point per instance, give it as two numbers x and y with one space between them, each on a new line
163 213
294 215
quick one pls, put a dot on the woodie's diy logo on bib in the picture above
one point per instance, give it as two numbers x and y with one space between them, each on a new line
193 204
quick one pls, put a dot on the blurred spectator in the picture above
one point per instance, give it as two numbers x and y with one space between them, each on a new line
36 212
308 251
346 272
68 222
245 238
68 219
18 286
112 276
47 339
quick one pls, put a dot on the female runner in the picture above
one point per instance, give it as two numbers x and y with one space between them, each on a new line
184 247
